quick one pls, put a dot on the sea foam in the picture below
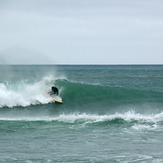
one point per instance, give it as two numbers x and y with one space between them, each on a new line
128 117
26 94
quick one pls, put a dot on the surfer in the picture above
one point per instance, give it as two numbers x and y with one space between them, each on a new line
54 91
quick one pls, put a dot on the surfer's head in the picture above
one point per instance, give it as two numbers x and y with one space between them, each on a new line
55 90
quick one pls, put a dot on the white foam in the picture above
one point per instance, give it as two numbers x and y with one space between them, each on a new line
26 94
144 127
93 118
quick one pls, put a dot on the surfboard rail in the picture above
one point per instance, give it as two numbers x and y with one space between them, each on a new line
58 100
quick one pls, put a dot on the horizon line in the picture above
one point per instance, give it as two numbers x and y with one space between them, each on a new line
135 64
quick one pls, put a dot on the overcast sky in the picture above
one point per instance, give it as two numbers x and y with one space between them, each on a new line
81 31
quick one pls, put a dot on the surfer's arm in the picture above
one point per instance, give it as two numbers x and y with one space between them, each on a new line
51 93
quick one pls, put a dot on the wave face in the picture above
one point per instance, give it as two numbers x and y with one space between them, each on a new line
106 94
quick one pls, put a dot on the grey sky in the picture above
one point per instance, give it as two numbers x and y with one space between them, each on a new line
81 32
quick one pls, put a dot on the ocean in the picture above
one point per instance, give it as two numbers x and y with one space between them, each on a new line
110 114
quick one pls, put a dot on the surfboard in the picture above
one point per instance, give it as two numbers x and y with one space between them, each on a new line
58 100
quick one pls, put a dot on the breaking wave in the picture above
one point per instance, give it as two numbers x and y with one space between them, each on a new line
25 94
127 117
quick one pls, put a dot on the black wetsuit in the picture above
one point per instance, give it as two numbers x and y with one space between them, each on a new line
54 91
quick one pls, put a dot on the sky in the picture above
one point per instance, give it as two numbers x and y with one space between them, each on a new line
81 31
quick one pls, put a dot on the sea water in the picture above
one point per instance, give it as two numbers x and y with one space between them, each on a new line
110 114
